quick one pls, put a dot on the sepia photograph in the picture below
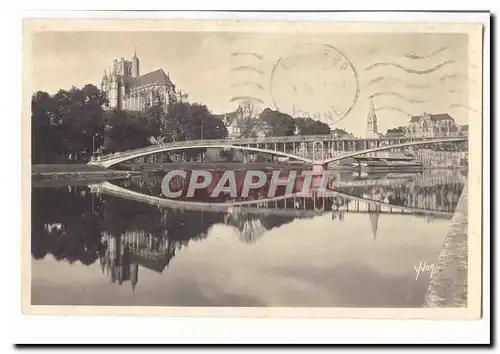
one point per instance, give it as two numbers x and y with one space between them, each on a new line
328 169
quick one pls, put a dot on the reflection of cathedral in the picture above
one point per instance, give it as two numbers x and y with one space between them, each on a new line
122 255
374 213
250 229
127 89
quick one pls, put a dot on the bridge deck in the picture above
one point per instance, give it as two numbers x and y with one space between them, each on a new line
260 141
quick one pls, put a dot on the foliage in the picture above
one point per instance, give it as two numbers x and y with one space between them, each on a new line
130 129
67 123
46 139
280 124
71 124
186 121
275 123
399 130
308 126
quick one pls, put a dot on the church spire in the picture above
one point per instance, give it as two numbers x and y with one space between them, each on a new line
371 107
135 65
371 121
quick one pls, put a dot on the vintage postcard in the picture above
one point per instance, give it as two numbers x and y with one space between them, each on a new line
238 168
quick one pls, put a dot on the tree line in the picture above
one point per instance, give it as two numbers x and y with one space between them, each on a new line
71 125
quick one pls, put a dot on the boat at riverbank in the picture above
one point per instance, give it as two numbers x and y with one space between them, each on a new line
387 161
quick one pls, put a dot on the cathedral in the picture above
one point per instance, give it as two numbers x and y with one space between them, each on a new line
127 89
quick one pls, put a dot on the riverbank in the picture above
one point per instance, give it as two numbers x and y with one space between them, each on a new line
77 172
86 173
448 286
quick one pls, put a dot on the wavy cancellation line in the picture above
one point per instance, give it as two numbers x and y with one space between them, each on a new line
442 80
464 106
247 54
397 94
247 83
392 108
409 70
425 56
247 68
246 98
402 111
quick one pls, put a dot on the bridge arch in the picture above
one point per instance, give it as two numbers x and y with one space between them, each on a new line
108 162
388 147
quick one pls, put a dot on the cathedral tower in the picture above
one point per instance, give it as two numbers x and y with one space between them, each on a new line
135 65
113 91
104 82
371 121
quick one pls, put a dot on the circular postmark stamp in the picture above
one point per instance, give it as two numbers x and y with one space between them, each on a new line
316 81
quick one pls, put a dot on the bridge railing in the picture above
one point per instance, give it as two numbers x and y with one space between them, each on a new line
242 141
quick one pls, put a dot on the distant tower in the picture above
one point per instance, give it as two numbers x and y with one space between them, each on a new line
371 121
104 82
135 65
113 91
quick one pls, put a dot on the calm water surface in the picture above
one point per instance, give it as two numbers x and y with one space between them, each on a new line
92 248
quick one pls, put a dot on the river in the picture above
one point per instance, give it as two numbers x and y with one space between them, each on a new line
90 247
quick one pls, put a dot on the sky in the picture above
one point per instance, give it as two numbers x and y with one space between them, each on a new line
326 76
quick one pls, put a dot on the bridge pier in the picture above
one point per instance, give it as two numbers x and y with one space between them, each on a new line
318 168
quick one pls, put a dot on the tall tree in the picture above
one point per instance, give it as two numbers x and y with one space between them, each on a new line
79 113
308 126
280 124
46 138
186 121
399 130
129 129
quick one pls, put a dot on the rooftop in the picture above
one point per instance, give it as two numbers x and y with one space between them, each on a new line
157 77
229 117
434 117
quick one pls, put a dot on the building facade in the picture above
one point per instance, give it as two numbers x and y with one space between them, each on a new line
234 123
435 125
238 126
127 89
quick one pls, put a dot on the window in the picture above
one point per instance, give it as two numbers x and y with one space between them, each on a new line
425 126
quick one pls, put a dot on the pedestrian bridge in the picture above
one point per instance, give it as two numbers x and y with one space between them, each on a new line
253 145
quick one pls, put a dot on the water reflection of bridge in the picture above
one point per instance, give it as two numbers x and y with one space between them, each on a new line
288 205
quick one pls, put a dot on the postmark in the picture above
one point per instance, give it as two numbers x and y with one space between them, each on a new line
318 81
